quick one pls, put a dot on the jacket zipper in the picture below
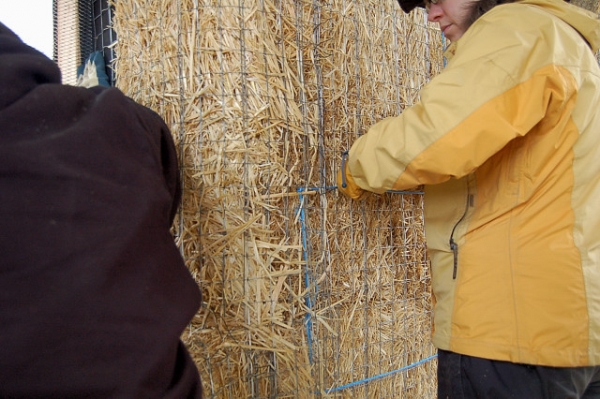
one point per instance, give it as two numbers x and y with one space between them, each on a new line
453 244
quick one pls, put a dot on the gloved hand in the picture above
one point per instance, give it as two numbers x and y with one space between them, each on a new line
345 181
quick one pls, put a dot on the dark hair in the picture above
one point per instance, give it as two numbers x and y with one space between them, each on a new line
479 7
408 5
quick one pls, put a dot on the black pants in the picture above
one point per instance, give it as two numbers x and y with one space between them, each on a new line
467 377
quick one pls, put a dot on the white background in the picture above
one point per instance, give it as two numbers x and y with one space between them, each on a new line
31 20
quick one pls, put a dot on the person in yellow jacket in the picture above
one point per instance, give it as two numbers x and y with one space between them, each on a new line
506 141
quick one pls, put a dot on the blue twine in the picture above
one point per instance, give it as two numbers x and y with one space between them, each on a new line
309 301
377 377
307 279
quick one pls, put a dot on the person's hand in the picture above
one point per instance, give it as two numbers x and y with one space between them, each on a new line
345 181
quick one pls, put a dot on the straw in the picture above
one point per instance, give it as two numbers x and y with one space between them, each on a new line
261 98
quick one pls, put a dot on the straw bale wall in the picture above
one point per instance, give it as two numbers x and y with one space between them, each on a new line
306 294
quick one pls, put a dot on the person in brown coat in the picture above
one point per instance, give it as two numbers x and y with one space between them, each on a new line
94 293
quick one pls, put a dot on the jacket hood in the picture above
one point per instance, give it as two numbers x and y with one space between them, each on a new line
23 68
584 21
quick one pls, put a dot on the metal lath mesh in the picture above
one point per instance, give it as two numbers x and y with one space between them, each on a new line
103 36
80 28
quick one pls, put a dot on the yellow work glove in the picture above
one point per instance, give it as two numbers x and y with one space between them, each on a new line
345 181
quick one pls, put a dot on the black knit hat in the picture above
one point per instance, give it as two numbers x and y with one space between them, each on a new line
409 5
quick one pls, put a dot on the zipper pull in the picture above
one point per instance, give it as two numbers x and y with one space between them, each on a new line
454 248
344 160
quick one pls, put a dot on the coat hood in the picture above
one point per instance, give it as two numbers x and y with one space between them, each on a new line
23 68
584 21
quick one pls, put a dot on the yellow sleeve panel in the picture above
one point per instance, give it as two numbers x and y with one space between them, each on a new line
392 157
490 128
457 126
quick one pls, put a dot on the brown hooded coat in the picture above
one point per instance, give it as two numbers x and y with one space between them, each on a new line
94 294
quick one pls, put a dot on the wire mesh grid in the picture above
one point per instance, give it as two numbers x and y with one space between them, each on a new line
369 318
103 37
306 293
80 28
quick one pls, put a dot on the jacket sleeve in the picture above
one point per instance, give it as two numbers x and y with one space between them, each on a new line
160 136
497 87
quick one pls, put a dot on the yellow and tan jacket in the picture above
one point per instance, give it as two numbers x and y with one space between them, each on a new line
507 142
